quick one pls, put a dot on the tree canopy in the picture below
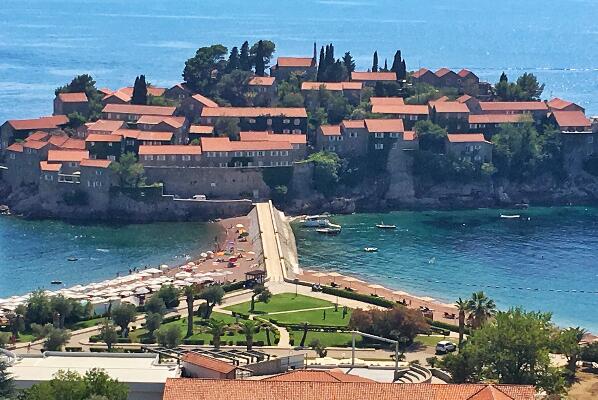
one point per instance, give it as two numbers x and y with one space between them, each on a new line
129 171
526 88
139 91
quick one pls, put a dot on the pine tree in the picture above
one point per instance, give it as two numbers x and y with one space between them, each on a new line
385 69
315 52
233 61
375 62
260 65
139 91
403 71
244 61
321 66
503 78
396 64
349 62
7 387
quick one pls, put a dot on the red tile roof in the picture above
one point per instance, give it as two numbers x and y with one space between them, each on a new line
39 123
204 101
170 150
575 119
559 104
209 363
450 107
37 136
373 76
96 137
155 136
384 125
498 118
34 144
464 98
73 97
67 155
118 94
409 135
316 375
442 72
295 62
275 137
128 133
224 144
354 123
58 140
332 86
74 144
407 109
490 393
421 72
331 130
464 73
262 81
151 91
106 125
247 112
17 147
95 163
513 106
201 129
215 144
138 110
194 389
175 122
387 101
46 166
466 138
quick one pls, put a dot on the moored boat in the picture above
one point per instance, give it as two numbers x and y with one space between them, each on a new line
370 249
329 231
315 221
382 225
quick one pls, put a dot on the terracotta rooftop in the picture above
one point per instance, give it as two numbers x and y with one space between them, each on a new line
466 138
513 106
105 125
203 100
208 363
373 76
97 137
73 97
384 125
442 72
193 389
331 130
39 135
34 144
274 137
139 110
409 135
421 72
559 104
67 155
201 129
52 122
354 124
316 375
498 118
295 62
46 166
262 81
248 112
95 163
128 133
387 101
169 150
464 98
575 119
407 109
155 136
224 144
58 140
450 107
16 147
332 86
175 122
464 73
73 144
151 91
120 95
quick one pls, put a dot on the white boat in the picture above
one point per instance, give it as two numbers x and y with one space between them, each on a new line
315 221
370 249
329 231
514 216
382 225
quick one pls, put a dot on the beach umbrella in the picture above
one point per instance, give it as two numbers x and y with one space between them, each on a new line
182 275
350 279
153 271
334 275
239 226
376 287
203 255
319 275
164 266
142 290
126 293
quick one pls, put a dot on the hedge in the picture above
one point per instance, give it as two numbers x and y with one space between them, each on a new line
233 286
195 342
444 325
73 349
378 301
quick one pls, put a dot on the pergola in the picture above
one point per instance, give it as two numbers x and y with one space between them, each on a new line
258 275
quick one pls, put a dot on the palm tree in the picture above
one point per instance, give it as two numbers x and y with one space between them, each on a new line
463 307
248 329
305 329
217 328
481 307
190 292
269 329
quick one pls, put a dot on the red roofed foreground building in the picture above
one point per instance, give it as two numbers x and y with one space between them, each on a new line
207 389
19 129
272 119
285 66
472 147
68 103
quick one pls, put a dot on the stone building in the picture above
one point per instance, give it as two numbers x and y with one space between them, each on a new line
271 119
469 147
68 103
285 66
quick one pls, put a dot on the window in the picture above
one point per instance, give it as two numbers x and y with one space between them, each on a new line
161 157
297 121
222 165
224 154
72 164
413 118
269 121
130 142
261 153
186 157
478 147
379 146
173 157
352 134
284 163
286 131
48 177
591 139
394 135
12 156
238 154
109 144
379 135
395 145
284 153
477 158
251 120
111 158
99 172
92 144
249 154
213 184
297 131
148 158
238 164
286 121
274 153
331 148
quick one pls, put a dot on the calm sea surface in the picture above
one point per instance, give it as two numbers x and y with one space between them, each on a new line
547 262
33 253
44 43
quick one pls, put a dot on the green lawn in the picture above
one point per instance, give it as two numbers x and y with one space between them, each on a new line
328 339
281 302
86 324
315 317
432 340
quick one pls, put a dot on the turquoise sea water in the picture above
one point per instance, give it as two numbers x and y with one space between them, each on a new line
33 253
547 263
43 43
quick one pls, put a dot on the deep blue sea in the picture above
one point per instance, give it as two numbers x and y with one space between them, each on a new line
547 262
33 253
44 43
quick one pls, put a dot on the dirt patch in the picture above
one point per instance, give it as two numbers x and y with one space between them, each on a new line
586 388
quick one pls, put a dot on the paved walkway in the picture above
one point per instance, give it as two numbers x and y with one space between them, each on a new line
271 255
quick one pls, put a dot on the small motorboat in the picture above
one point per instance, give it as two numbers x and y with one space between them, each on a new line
315 221
510 216
329 231
56 282
382 225
72 259
370 249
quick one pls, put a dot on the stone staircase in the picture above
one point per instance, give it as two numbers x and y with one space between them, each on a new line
414 374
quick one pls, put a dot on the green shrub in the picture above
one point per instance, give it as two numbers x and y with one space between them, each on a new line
378 301
230 287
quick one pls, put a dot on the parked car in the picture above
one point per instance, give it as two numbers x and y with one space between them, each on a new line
444 346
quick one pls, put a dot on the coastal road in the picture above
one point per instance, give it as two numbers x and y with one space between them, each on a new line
271 256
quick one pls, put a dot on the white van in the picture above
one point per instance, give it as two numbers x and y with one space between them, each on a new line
444 346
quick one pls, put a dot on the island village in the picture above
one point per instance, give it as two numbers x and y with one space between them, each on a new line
244 320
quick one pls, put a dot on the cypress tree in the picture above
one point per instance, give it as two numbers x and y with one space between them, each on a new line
321 66
396 63
375 62
233 60
349 62
139 91
385 65
260 65
503 77
403 71
244 61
